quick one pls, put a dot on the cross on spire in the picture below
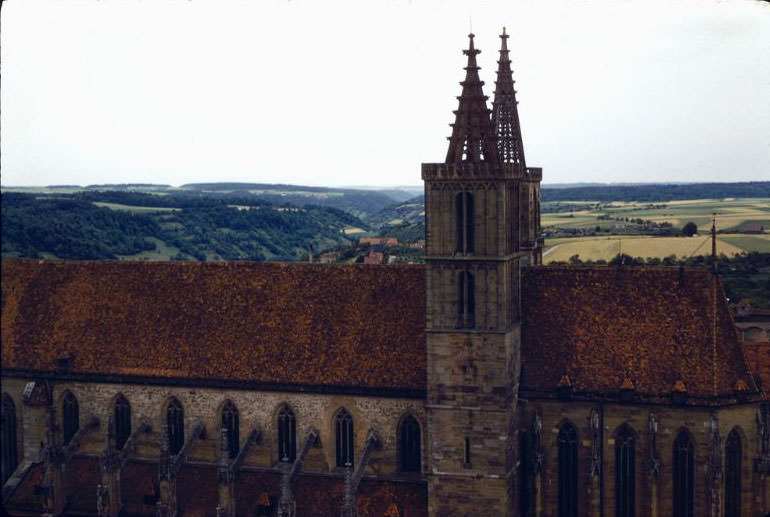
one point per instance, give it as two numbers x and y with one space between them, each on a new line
505 115
473 136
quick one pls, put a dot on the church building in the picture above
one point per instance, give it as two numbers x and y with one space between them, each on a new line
479 383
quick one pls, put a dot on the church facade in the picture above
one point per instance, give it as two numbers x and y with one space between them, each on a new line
479 383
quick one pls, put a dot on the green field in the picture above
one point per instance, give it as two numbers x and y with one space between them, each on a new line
606 247
134 209
731 213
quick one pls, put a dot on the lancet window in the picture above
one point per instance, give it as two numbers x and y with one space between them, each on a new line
10 451
568 471
122 421
287 435
526 475
464 219
683 475
733 457
466 300
70 416
343 432
625 472
410 445
230 422
175 422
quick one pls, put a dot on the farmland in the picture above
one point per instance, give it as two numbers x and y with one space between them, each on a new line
602 230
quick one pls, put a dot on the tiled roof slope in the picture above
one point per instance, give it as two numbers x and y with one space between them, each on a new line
301 324
655 326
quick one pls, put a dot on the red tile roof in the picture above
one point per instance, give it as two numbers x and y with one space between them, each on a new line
312 324
656 325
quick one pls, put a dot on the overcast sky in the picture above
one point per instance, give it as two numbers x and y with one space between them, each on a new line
361 92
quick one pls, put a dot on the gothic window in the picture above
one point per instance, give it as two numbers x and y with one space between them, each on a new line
343 432
70 417
230 422
625 465
464 220
466 300
526 476
410 445
733 455
568 471
683 475
10 452
175 422
122 421
287 435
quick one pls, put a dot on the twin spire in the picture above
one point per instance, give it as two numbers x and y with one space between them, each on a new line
480 134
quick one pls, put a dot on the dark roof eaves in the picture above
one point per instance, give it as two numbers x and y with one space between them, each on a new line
193 382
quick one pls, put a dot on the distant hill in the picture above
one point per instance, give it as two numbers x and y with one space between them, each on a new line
656 192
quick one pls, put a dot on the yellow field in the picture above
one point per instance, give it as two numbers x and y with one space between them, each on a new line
597 248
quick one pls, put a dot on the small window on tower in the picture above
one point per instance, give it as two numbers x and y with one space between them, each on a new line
464 220
70 417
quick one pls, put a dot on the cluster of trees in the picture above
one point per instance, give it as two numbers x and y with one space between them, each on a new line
72 227
745 276
656 193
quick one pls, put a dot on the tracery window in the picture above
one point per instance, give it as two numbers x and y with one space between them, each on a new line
464 220
733 456
625 470
122 421
410 445
70 417
568 470
343 432
230 422
175 422
10 451
683 475
287 435
466 300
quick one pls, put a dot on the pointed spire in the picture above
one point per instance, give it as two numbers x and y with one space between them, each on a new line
473 136
505 115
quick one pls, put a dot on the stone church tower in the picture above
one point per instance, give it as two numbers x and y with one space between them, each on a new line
482 213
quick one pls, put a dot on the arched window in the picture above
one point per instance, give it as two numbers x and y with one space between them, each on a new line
410 445
683 475
568 471
526 476
70 414
733 456
466 300
10 452
175 422
287 435
625 470
343 432
464 219
230 422
122 421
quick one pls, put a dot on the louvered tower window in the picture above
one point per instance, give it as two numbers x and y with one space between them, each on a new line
122 421
230 422
466 301
464 220
175 422
287 435
343 432
733 457
410 445
70 416
10 451
568 471
683 475
625 473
